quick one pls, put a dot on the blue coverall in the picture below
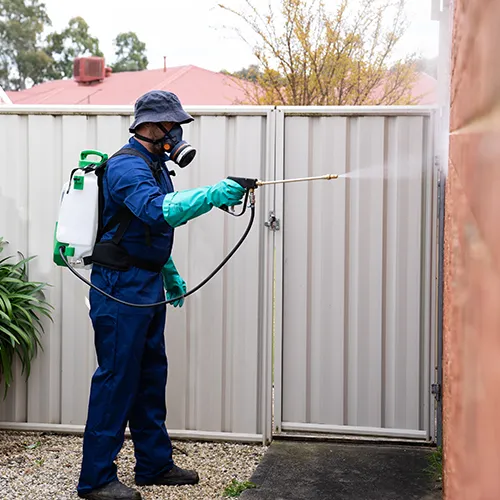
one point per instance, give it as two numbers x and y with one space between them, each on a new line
129 384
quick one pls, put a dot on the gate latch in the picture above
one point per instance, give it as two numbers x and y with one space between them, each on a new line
272 222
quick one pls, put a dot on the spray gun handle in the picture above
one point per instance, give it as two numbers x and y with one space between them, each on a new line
245 182
249 185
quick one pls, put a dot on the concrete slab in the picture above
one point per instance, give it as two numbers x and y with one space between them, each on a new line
331 471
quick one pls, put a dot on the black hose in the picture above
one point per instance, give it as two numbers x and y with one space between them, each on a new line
187 294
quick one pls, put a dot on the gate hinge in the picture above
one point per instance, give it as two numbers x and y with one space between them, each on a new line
436 390
272 222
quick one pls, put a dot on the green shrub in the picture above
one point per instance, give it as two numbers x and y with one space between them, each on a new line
22 305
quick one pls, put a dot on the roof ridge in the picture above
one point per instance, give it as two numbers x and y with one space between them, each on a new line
175 76
182 70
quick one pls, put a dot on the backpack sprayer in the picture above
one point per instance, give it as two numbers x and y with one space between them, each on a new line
77 224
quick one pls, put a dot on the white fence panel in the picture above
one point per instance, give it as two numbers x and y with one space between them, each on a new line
355 259
14 229
354 286
215 343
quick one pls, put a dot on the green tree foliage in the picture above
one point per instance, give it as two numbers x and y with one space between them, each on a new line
27 57
130 53
311 56
251 74
22 55
64 47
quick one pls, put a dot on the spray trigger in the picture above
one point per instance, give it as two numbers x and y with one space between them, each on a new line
249 185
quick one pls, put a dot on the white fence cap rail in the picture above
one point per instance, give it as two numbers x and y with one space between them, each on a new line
85 109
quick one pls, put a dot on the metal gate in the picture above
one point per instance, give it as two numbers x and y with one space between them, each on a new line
355 272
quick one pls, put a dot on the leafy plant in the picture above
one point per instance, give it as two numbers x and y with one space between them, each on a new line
22 304
435 467
236 488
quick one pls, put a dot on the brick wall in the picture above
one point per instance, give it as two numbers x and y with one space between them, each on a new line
472 259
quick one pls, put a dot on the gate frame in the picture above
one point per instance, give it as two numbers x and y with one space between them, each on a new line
431 363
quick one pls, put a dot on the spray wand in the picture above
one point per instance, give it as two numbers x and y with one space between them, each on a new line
250 186
255 183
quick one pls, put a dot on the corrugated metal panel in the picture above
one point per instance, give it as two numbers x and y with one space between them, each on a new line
214 342
356 267
356 308
14 229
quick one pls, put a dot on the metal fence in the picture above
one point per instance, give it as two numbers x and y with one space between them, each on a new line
350 271
215 344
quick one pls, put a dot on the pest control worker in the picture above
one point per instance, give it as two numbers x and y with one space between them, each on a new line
132 262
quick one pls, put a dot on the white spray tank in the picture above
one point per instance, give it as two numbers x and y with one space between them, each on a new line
76 227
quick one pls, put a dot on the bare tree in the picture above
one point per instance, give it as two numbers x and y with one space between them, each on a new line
309 56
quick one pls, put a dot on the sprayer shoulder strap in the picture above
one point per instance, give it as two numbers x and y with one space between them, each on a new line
124 216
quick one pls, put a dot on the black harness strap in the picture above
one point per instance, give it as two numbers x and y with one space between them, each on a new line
124 216
110 254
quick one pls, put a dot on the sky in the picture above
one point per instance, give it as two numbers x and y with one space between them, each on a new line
192 31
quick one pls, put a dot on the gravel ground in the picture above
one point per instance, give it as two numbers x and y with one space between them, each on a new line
35 466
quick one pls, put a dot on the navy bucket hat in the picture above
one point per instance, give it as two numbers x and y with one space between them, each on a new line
159 106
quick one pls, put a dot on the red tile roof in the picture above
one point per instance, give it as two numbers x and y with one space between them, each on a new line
193 85
425 90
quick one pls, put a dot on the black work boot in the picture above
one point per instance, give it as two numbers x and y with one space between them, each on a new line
174 477
113 491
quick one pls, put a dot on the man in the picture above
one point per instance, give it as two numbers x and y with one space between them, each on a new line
132 262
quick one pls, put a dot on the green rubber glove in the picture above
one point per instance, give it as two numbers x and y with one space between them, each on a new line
173 283
226 193
181 206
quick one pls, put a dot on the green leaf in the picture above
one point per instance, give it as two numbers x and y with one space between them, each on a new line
5 304
22 307
9 334
4 316
236 488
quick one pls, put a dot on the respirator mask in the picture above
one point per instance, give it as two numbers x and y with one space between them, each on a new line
178 150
